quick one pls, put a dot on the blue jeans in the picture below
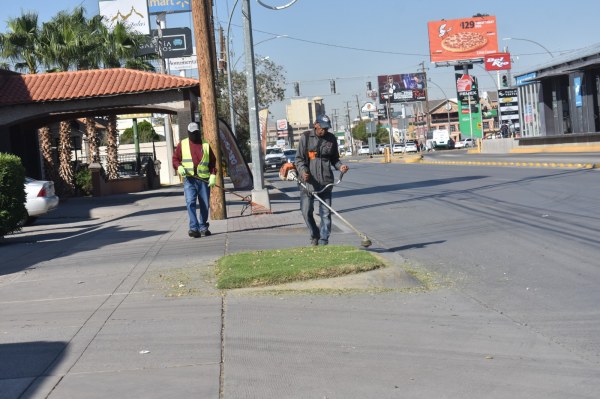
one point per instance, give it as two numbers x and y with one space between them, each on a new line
195 188
307 207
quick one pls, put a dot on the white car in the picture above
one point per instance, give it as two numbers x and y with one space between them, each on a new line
398 148
364 150
40 198
410 146
464 143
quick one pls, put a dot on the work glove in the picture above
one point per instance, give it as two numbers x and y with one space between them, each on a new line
181 170
212 180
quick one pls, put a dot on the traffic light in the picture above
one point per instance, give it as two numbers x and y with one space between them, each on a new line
332 86
369 87
297 89
504 81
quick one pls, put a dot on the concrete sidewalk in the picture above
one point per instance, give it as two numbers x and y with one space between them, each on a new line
109 297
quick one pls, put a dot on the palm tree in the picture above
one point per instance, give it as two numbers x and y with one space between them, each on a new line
21 42
111 148
45 139
93 140
65 169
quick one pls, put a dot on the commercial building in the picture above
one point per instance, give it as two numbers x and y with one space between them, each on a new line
559 102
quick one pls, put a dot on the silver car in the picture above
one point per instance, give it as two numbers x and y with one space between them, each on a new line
40 198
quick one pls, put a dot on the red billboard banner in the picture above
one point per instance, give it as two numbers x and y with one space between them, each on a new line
462 39
497 62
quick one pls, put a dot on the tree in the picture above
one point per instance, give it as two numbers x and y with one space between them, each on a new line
21 43
146 134
112 162
359 132
270 87
72 41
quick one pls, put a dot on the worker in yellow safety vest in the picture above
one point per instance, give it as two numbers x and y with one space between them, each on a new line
196 164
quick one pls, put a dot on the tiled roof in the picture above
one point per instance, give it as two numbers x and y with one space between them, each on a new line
62 86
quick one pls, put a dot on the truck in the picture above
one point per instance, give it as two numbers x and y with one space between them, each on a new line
441 138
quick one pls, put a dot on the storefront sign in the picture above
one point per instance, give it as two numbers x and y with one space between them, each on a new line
525 79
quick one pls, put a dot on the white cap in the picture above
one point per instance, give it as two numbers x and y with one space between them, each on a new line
193 127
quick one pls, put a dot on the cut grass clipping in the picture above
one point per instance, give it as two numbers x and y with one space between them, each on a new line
278 266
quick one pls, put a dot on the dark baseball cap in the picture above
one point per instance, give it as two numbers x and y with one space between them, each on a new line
323 121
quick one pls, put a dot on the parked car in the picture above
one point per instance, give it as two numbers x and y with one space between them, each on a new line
383 147
290 155
40 198
464 143
274 158
398 148
410 146
364 150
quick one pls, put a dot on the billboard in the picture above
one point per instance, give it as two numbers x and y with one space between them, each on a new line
169 6
133 13
462 39
497 62
401 88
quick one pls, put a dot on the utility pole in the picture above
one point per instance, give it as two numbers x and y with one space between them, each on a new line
427 116
201 15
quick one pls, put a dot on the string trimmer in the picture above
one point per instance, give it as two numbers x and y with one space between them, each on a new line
288 172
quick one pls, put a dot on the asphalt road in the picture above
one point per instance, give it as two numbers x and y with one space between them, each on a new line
523 242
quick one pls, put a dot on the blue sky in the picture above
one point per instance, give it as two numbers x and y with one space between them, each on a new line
354 41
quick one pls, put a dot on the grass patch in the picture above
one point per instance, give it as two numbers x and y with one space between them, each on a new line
278 266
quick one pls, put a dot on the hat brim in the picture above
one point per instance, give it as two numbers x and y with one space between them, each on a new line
324 125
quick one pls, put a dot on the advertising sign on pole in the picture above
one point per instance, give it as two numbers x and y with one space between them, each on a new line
469 109
462 39
497 62
133 13
183 63
406 87
508 104
169 6
176 42
282 124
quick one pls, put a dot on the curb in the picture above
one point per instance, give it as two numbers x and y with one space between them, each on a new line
519 164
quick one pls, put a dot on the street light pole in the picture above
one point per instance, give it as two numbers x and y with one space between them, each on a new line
260 195
448 106
229 88
530 41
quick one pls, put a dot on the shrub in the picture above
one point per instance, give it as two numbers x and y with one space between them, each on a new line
12 194
83 180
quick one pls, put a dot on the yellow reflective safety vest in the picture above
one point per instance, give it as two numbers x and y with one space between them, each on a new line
187 162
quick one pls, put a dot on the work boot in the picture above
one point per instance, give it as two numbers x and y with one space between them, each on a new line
206 233
194 234
314 242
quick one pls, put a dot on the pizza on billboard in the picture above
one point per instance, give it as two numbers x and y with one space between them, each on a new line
497 62
462 39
